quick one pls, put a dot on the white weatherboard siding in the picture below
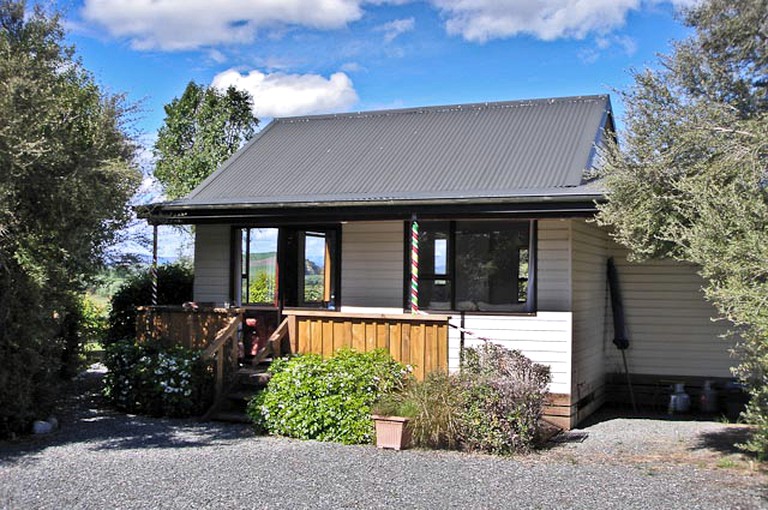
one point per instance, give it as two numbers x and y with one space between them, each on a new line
212 257
669 322
589 255
545 338
554 266
372 266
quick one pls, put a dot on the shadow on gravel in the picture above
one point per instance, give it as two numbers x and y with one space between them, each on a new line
723 441
86 417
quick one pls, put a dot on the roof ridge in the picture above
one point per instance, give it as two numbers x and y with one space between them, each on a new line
443 108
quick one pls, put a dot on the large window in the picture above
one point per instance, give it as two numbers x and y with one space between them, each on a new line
476 265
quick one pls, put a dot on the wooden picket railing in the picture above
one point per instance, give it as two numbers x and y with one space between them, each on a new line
417 340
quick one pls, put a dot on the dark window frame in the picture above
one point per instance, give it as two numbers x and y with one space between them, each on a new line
282 232
529 307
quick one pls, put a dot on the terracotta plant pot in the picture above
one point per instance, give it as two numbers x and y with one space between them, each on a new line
392 432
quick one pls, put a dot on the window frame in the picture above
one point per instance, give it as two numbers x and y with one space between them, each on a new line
283 231
527 308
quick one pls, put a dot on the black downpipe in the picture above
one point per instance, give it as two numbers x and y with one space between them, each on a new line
620 334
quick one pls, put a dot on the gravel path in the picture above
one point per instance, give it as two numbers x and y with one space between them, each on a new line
101 459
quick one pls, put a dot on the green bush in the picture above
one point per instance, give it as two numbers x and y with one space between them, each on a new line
504 395
145 379
327 400
174 288
493 405
434 407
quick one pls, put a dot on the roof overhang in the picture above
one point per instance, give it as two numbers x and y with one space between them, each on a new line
298 212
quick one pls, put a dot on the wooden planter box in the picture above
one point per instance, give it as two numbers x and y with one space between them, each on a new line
392 432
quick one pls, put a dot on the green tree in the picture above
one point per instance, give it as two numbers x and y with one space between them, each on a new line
690 179
66 176
202 128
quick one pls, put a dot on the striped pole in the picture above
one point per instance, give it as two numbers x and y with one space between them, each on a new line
414 265
153 269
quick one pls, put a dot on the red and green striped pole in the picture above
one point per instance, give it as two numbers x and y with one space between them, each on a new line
414 265
153 268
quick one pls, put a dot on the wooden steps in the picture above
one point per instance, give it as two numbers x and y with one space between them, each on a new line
248 381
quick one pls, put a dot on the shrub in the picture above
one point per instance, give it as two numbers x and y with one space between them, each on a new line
145 379
434 407
504 396
327 400
174 288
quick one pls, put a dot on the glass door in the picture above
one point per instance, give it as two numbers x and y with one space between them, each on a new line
311 268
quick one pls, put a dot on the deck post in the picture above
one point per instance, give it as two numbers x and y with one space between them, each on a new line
414 265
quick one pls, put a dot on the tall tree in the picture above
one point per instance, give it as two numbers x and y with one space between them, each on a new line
690 179
202 128
66 176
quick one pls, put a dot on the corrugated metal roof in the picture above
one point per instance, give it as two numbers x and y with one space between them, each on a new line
502 149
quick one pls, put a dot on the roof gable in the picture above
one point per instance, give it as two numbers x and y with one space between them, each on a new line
476 150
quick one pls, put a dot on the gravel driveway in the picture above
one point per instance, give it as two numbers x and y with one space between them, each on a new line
101 459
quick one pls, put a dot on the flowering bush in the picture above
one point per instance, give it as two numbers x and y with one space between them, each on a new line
328 400
145 379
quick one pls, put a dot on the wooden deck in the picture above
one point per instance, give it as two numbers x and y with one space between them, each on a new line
417 340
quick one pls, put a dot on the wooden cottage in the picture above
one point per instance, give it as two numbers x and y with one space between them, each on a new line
312 222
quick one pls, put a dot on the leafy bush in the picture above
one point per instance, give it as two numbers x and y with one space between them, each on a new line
145 379
327 400
493 406
174 288
504 397
434 407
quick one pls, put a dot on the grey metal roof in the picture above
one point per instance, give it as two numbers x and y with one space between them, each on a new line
474 151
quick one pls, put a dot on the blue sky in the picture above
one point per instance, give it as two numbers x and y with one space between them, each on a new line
318 56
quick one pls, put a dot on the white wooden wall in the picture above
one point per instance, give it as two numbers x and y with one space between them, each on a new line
212 258
545 338
670 324
589 255
372 266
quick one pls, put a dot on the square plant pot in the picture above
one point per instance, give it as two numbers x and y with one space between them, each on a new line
392 432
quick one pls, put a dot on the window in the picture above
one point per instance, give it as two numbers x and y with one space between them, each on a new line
475 265
315 273
259 266
304 275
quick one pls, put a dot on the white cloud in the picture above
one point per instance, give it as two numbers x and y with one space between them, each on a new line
189 24
481 20
285 95
396 27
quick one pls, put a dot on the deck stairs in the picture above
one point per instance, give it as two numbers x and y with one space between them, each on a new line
248 381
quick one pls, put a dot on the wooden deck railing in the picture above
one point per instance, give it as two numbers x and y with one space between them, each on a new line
224 351
418 340
278 344
178 325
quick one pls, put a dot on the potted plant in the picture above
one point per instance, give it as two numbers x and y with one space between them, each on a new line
391 415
